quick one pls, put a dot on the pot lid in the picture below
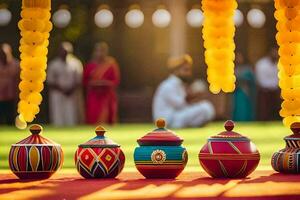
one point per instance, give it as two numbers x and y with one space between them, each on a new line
228 134
100 140
35 137
160 136
295 127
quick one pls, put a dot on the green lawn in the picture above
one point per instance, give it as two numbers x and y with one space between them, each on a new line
267 136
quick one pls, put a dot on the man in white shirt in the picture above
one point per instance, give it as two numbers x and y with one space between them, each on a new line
266 73
64 79
173 101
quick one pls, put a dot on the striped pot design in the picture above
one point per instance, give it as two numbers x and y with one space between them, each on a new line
292 142
35 161
229 159
160 161
287 160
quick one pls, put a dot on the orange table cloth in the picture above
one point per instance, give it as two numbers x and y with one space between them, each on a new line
131 185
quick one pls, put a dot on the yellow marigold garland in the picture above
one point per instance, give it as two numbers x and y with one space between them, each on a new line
218 35
35 27
288 38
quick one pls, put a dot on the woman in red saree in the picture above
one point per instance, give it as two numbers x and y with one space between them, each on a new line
100 78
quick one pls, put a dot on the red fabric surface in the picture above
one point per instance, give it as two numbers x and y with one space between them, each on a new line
131 185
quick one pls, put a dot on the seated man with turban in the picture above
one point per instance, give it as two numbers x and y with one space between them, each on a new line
174 101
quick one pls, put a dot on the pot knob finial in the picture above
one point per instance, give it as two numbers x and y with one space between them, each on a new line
35 129
160 123
295 127
100 130
229 125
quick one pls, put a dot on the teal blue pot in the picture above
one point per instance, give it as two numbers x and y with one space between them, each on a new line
160 154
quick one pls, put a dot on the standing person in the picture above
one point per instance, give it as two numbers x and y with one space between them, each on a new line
64 80
9 71
101 78
174 101
266 73
244 94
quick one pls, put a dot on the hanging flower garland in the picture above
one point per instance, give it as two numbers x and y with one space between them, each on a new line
288 38
218 35
35 27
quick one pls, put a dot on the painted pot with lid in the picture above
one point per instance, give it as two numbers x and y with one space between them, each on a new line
99 157
35 157
287 160
229 154
160 153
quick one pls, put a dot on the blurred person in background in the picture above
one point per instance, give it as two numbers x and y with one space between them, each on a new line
101 78
64 80
177 102
9 73
266 73
244 95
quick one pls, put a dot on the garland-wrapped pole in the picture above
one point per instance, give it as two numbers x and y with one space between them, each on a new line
218 35
35 27
288 38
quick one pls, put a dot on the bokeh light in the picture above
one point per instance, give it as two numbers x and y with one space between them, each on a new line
104 18
238 18
5 16
161 18
195 18
62 18
134 18
256 18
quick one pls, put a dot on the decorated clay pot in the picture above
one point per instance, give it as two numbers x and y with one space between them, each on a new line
35 157
99 157
229 155
160 154
287 160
